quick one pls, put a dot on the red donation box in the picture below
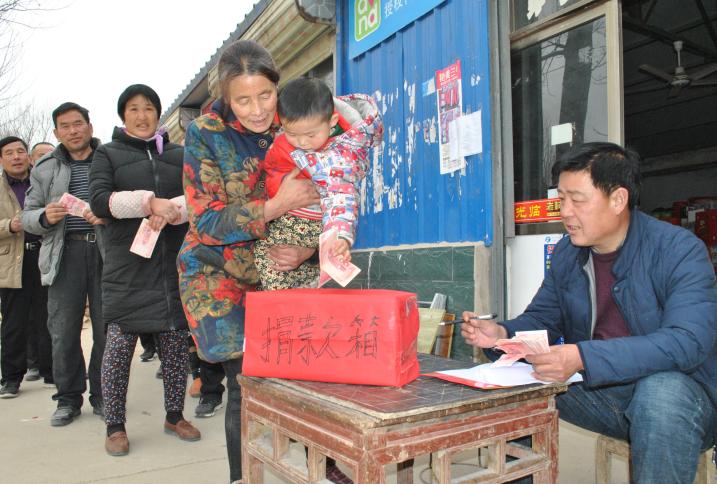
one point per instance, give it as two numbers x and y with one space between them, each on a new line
361 336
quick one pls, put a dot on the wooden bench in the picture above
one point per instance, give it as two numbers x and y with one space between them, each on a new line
607 446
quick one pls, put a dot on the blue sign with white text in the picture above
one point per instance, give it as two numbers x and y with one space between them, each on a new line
371 21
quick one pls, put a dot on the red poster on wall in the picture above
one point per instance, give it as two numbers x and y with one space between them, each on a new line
334 335
449 93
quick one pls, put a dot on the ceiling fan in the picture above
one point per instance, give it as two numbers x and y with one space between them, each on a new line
680 79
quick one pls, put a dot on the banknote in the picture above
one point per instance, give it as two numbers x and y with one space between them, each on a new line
145 240
73 205
331 266
536 341
523 343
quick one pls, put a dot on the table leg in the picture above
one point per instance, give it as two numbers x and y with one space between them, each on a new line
254 472
316 464
369 472
546 442
441 467
404 472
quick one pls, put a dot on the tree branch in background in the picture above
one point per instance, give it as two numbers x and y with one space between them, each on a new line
31 123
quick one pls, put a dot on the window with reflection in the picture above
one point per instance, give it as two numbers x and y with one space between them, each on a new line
559 89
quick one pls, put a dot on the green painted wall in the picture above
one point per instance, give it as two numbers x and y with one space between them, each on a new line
447 270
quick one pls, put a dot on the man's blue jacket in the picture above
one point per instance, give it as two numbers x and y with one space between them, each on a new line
665 289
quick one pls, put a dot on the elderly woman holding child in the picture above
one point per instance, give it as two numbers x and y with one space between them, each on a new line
228 211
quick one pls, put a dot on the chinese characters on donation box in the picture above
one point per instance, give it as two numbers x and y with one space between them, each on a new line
362 336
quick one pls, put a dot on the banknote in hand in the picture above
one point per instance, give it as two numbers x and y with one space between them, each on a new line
523 343
73 205
332 266
145 240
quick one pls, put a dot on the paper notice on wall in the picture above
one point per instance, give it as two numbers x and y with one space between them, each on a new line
561 133
455 161
470 134
449 95
465 139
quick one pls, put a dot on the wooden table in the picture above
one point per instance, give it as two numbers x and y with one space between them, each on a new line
369 428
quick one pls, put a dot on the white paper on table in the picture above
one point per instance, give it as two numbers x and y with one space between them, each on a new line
506 376
470 134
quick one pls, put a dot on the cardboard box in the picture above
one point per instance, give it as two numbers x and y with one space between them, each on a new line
361 336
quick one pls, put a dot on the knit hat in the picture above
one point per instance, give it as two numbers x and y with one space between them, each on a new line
131 92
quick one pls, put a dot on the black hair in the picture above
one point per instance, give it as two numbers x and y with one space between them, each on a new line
244 57
610 166
41 143
305 98
69 106
142 90
11 139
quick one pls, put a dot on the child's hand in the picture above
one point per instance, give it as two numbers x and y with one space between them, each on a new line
340 249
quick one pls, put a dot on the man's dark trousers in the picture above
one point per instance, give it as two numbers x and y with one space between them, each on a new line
78 279
20 309
212 375
39 344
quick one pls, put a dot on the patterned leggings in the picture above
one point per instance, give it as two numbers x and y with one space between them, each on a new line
115 370
291 230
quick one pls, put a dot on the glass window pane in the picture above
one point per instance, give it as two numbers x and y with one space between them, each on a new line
527 12
559 88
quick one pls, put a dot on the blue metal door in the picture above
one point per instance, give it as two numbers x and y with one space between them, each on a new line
405 199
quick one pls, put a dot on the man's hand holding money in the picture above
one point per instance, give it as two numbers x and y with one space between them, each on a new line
54 212
557 365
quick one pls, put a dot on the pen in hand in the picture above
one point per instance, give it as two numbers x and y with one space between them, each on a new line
459 321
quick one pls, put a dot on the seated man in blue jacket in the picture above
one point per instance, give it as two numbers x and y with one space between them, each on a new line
636 302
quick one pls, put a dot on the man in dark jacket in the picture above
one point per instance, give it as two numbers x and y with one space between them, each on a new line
636 303
70 262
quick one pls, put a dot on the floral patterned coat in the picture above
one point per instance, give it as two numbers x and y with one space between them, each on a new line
225 204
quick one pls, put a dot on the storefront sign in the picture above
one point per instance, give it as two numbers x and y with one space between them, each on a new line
537 210
371 21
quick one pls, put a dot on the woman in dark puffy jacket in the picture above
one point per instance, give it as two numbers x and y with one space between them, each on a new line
138 175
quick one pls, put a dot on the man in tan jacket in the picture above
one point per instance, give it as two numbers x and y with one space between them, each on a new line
23 300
